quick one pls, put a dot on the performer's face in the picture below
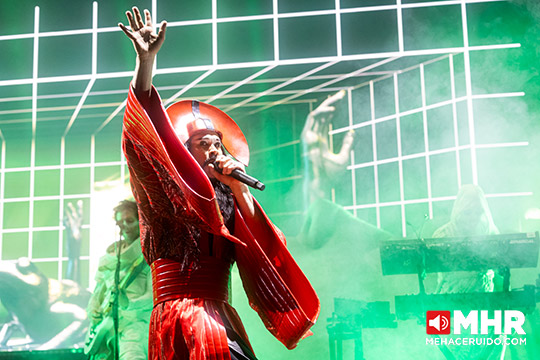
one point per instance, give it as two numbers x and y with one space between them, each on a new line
473 220
203 146
128 222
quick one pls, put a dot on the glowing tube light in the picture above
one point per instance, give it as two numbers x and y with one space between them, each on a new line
275 26
454 119
468 86
35 76
2 188
323 85
56 167
186 88
434 199
277 87
434 152
374 149
240 83
426 139
79 106
400 158
280 62
259 17
110 117
421 109
352 158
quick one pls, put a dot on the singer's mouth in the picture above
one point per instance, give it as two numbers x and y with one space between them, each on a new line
208 161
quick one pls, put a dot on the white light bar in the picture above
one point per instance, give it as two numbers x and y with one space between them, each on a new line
240 83
48 197
161 88
277 87
421 109
270 148
37 228
325 84
50 259
435 152
399 156
258 17
426 139
79 107
57 167
374 151
510 194
186 88
35 75
290 178
469 92
338 28
455 119
110 117
2 187
352 157
275 28
433 199
280 62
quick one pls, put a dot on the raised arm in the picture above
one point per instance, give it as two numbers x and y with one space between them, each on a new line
146 43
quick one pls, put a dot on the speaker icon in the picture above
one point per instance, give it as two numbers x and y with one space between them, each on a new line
438 322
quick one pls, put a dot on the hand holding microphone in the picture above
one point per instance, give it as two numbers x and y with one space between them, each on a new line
236 174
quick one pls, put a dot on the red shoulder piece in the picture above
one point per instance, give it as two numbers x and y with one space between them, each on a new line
149 128
276 287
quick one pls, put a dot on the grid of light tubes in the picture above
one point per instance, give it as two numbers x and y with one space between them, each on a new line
426 153
250 101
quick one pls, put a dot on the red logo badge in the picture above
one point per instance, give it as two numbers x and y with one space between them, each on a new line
438 322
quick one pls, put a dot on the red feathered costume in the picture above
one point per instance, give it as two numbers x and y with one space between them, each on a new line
192 318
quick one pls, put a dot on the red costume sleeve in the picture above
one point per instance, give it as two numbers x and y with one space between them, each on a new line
276 287
169 184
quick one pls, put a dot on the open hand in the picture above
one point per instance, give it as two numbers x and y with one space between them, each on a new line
146 42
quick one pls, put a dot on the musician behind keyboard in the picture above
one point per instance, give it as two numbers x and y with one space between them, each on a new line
470 217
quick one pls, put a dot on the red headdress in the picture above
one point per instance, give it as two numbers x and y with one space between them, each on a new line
191 116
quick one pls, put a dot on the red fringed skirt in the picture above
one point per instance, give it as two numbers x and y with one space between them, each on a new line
192 319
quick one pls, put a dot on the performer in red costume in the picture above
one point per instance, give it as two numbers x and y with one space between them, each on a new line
195 222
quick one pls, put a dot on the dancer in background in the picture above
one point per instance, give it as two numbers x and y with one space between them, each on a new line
196 221
323 163
322 172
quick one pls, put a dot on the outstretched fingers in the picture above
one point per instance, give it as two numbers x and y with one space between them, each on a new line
132 25
148 17
332 99
325 105
138 18
161 33
131 21
126 31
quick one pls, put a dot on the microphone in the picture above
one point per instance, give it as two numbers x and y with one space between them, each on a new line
241 176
